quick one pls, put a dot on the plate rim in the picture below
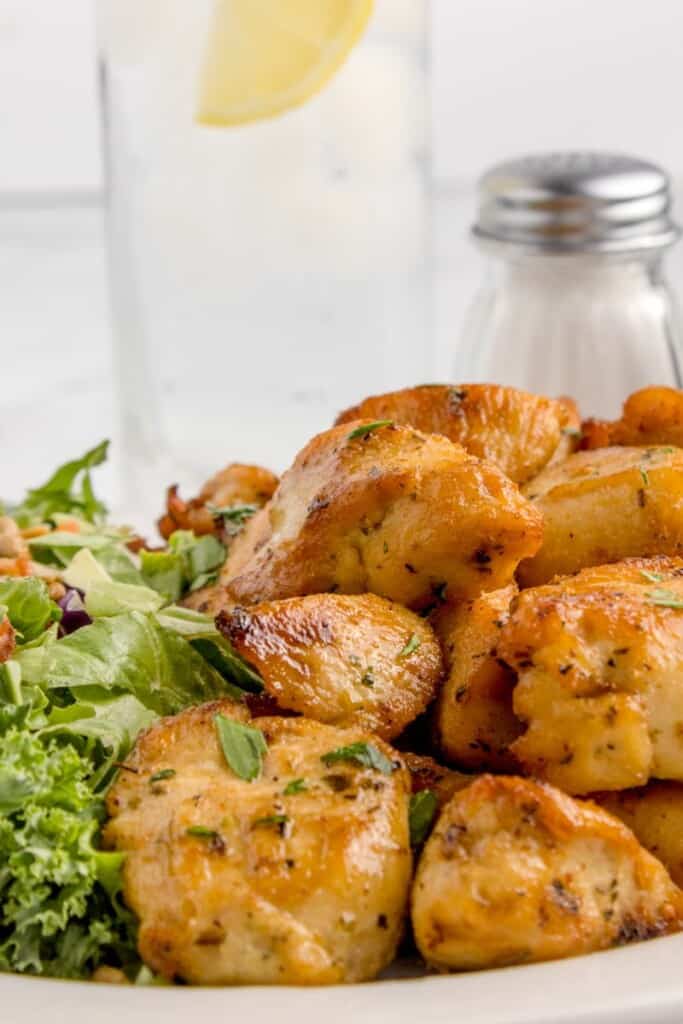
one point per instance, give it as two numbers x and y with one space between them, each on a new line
637 984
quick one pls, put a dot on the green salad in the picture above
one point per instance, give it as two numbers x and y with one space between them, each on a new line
98 650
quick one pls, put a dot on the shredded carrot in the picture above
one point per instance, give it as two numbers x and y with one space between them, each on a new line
35 531
69 526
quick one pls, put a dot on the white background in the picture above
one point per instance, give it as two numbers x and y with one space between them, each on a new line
510 76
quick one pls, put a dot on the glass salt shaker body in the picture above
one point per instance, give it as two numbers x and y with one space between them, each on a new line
575 301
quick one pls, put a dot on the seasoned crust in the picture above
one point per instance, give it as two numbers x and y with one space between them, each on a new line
340 659
516 871
605 505
385 510
305 887
651 416
599 659
474 721
516 431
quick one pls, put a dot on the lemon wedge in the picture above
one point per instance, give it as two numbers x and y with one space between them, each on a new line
265 57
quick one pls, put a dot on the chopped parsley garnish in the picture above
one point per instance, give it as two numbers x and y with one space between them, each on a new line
278 821
651 577
242 746
411 646
571 431
165 773
423 806
368 678
294 787
665 598
234 516
368 428
201 832
365 754
644 477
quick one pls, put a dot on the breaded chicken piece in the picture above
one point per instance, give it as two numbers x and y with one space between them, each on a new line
654 813
474 722
651 416
516 871
516 431
299 877
599 658
602 506
236 485
426 773
356 660
385 510
6 639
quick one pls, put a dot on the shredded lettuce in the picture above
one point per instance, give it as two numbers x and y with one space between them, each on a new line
189 563
128 653
60 912
68 491
28 606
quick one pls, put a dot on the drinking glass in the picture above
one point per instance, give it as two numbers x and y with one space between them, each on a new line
267 275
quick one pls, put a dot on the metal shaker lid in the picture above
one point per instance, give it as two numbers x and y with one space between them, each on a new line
577 202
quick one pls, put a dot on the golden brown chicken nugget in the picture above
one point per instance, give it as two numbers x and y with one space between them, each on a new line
384 509
605 505
599 659
473 718
516 872
651 416
299 876
516 431
238 488
342 659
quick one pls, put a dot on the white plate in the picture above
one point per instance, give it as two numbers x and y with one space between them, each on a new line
641 984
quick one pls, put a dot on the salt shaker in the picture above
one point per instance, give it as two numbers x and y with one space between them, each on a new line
575 301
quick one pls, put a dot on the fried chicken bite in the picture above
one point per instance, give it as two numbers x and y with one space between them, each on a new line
346 660
605 505
654 813
387 510
516 872
298 877
516 431
474 721
599 660
651 416
239 487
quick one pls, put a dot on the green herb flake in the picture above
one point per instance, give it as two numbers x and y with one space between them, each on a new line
278 821
651 577
572 432
665 598
411 646
421 812
201 832
368 677
165 773
365 754
644 477
242 746
233 517
368 428
294 787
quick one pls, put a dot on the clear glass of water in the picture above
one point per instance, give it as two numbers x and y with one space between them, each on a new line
263 276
